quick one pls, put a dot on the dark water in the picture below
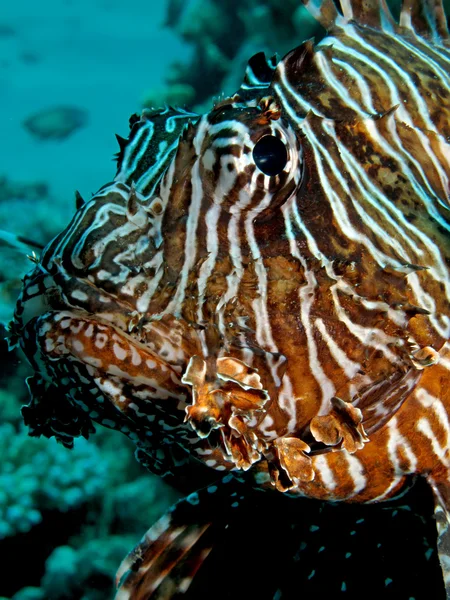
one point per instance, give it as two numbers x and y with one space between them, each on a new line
293 549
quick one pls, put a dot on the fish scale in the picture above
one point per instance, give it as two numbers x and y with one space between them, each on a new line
266 288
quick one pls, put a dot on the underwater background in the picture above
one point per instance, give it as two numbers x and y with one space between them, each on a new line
71 74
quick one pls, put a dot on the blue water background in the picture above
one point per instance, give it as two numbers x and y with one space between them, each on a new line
100 55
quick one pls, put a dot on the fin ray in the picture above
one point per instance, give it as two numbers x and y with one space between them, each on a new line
441 493
165 561
381 401
374 13
324 11
426 18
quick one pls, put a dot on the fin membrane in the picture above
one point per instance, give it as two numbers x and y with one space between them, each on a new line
374 13
169 555
259 72
426 18
441 492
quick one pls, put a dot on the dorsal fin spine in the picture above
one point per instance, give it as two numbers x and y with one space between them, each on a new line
426 18
374 13
325 12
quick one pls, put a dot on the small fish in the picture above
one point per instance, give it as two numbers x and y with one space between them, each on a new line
265 288
56 123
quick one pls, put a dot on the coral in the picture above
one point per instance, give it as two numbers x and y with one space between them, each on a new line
9 405
140 501
85 572
115 500
39 474
29 593
219 59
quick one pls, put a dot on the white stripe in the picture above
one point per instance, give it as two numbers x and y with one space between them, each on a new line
397 442
364 89
224 185
430 402
190 248
337 205
423 425
356 471
142 138
331 79
321 466
307 297
349 367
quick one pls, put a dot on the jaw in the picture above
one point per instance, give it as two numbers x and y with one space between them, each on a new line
88 370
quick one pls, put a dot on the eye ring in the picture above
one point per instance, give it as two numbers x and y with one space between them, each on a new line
270 155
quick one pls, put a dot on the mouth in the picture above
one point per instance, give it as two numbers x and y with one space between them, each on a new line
140 377
89 366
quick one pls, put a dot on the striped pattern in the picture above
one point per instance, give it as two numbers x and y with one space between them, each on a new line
295 324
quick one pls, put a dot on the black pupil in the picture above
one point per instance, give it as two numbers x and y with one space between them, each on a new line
270 155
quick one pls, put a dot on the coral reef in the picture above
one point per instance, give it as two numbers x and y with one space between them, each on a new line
223 36
80 497
38 475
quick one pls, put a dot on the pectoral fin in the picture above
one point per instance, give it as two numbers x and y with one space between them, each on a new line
441 493
341 428
165 561
380 401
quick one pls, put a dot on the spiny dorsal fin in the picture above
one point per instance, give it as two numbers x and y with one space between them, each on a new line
426 18
79 201
259 71
122 141
324 11
296 62
122 145
169 555
374 13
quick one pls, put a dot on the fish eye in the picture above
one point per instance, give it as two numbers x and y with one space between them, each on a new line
270 155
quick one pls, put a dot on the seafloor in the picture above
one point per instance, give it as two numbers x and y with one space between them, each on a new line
71 73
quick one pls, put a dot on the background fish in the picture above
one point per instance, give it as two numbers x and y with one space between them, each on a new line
265 288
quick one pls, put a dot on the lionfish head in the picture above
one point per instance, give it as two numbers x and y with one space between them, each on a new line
100 317
196 300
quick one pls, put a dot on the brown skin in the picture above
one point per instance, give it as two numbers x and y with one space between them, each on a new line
220 404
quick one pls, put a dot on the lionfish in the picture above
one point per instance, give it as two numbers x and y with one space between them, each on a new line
265 288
